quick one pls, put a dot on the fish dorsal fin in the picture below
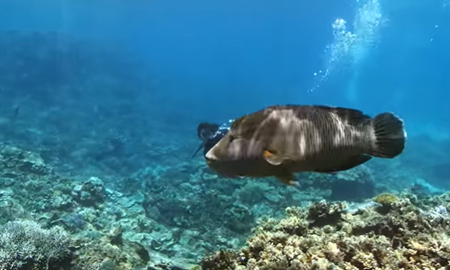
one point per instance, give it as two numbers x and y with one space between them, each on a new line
351 116
273 158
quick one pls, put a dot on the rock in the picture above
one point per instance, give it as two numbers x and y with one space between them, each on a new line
108 264
115 236
91 193
62 202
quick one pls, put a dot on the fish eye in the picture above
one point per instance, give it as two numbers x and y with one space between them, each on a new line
231 138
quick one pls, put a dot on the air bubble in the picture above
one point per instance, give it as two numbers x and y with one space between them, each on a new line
349 48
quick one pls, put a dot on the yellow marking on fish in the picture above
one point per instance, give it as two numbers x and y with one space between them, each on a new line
272 158
268 154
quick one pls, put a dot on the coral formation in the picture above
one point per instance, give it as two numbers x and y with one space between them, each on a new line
110 230
90 193
107 230
403 238
25 245
386 199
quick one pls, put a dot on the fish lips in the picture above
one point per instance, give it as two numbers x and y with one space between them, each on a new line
211 160
210 156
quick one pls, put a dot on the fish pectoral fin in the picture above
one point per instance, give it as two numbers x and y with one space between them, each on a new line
273 158
348 164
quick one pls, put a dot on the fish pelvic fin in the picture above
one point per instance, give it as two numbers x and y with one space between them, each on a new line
288 178
390 136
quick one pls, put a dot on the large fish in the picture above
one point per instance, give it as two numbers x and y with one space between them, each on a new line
282 140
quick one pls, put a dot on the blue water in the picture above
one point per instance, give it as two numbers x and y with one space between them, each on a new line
115 88
206 53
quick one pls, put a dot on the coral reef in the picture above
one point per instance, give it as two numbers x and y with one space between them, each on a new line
386 199
25 245
406 237
173 225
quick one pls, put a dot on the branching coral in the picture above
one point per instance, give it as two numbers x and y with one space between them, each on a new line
25 245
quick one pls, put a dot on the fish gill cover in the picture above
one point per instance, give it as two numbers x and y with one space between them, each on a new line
100 103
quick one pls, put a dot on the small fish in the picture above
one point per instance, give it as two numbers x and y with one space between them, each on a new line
282 140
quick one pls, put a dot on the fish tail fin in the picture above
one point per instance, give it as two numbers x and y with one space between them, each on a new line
390 135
